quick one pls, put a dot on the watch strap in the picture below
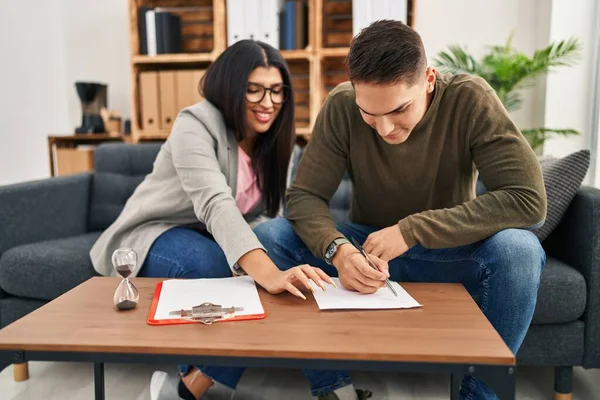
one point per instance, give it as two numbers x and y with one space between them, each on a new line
332 249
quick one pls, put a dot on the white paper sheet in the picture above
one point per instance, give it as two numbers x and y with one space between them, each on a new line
227 292
340 298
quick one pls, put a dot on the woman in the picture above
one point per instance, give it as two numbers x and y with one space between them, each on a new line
222 169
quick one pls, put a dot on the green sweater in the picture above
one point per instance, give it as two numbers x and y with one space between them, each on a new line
426 185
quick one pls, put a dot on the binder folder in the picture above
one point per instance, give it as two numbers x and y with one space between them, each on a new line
174 295
149 99
168 98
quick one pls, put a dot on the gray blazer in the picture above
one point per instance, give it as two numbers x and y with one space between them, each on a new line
193 183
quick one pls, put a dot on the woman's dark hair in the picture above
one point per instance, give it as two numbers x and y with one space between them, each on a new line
386 52
224 85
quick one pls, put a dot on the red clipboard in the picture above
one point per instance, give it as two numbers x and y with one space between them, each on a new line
181 321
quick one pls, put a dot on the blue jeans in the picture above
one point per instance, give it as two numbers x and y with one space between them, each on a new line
186 253
502 273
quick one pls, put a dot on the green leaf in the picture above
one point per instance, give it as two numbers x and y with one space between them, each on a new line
509 71
537 136
456 60
562 54
512 101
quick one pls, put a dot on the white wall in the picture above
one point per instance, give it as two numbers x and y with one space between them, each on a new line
46 46
33 94
569 90
97 49
476 24
595 178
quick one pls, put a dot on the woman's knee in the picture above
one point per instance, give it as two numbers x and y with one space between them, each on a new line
186 253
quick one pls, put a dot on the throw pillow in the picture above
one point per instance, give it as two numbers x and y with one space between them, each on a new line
562 179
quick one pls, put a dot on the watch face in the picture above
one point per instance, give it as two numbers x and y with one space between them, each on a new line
330 251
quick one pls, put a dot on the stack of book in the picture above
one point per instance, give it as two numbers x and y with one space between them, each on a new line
281 23
293 20
364 12
159 31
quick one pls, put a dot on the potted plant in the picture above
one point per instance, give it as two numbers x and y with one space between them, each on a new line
509 72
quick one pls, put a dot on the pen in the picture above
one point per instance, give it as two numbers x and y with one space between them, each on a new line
372 264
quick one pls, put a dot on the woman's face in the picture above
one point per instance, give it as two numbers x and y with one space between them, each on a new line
264 98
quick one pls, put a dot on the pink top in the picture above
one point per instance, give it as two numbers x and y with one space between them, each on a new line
248 194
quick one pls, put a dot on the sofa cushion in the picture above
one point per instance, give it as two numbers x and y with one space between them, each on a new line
47 269
118 169
12 308
562 295
553 344
562 179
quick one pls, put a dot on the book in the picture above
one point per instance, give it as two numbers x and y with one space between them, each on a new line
168 33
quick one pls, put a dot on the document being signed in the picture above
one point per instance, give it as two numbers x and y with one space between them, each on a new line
343 299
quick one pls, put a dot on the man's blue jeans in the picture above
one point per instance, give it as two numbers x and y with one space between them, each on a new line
502 273
185 253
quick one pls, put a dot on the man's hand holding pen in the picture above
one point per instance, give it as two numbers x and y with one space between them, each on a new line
355 273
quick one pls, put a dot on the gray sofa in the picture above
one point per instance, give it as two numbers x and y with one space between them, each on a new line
47 228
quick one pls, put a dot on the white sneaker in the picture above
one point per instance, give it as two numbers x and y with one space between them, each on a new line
164 386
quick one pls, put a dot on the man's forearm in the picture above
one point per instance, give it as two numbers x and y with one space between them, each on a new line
312 221
475 220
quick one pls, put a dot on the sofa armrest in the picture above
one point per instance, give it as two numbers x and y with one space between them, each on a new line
576 241
45 209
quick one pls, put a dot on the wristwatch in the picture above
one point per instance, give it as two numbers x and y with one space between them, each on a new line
237 270
332 249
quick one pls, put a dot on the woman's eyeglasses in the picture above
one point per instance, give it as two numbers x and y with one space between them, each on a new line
255 93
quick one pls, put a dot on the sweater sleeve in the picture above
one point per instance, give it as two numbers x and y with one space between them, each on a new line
196 164
319 174
510 171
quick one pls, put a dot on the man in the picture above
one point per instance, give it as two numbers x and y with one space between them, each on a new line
412 141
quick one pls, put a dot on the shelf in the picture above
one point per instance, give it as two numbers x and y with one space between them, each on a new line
335 52
86 137
173 58
295 54
316 66
153 136
303 130
206 57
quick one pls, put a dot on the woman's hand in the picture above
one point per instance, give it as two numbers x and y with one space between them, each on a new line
280 281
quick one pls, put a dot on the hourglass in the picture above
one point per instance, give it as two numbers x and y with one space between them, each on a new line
126 296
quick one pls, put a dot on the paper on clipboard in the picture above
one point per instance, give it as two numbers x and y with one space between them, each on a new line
178 294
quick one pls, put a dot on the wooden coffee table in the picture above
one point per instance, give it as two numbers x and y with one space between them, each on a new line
449 334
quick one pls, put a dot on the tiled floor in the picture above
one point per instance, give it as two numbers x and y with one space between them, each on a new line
74 381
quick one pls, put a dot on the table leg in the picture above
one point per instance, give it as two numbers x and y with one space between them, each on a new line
99 380
20 372
455 381
500 378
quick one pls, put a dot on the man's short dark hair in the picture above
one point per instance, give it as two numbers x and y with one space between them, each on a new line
386 52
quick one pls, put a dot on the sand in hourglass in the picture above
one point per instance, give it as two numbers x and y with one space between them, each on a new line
126 305
126 296
125 271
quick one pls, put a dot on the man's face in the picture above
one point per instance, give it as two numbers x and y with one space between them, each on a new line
393 110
